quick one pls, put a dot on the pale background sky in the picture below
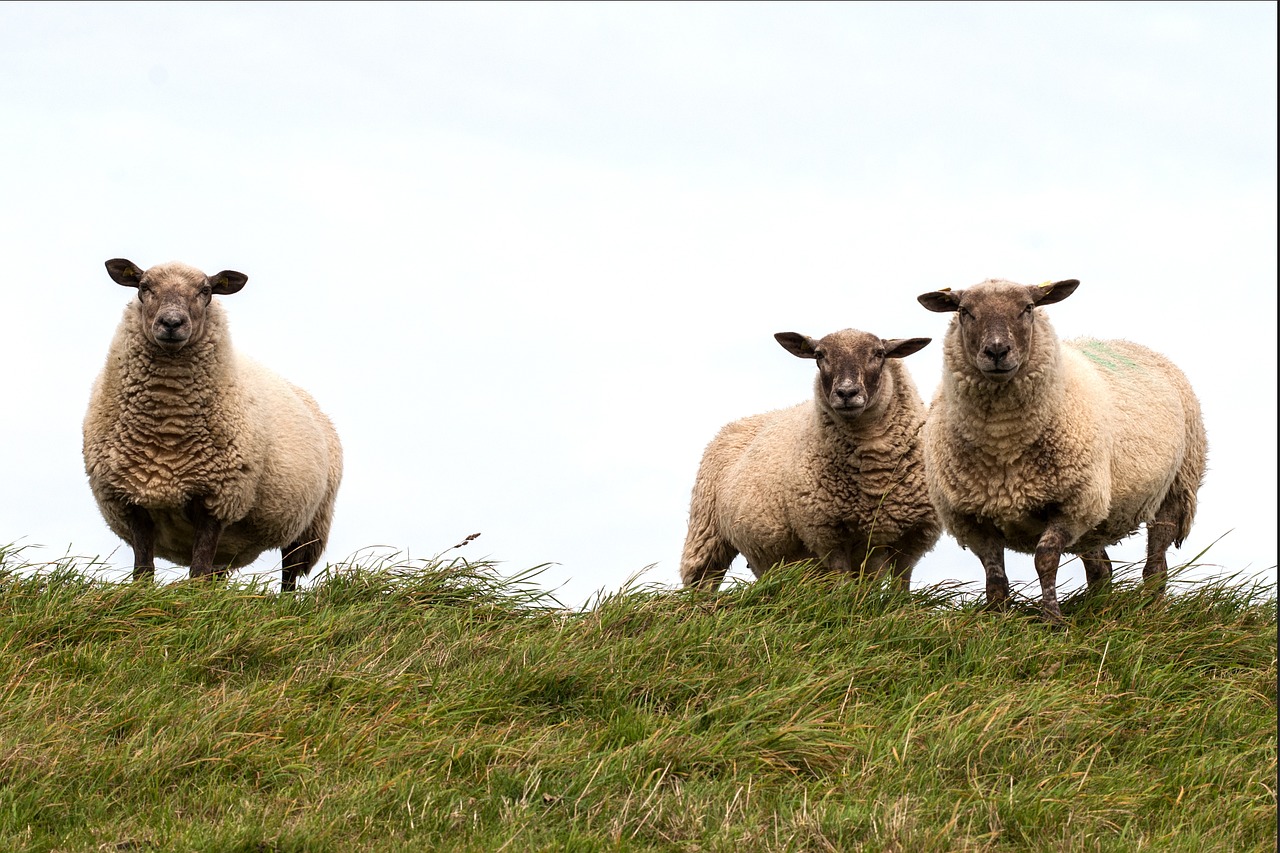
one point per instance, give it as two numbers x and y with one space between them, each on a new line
530 257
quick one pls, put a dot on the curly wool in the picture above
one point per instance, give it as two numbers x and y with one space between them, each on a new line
207 422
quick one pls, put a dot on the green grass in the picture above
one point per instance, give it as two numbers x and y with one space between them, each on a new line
434 705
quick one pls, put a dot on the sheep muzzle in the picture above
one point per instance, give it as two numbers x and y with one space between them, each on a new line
171 329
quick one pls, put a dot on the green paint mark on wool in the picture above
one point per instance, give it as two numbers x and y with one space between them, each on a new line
1100 353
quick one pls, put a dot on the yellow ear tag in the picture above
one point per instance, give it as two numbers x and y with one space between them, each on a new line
1047 284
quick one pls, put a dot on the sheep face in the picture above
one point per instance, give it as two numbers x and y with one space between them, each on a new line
996 321
173 298
850 366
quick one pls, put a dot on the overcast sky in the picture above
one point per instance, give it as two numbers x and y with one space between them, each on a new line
530 257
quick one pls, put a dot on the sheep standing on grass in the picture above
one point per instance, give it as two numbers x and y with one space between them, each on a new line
838 479
1045 447
196 453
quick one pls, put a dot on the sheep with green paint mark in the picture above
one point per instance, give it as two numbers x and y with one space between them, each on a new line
1046 446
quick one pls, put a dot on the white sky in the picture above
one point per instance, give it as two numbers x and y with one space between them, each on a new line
531 257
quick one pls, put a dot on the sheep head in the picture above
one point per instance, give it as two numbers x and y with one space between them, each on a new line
173 298
850 366
996 321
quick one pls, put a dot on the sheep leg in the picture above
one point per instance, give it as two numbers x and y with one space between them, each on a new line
1161 531
991 553
1097 568
884 560
713 564
706 560
208 530
142 535
840 560
1048 555
297 560
900 569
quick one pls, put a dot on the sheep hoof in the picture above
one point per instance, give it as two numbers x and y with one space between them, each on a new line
1053 616
997 598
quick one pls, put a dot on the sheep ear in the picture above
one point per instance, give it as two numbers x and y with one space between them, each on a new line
228 282
1053 291
903 347
941 301
124 272
797 344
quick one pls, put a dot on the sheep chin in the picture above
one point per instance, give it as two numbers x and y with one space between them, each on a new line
998 377
848 413
171 343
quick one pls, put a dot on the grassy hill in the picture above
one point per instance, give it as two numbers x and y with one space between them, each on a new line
436 706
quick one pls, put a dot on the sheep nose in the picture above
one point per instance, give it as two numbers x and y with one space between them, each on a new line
996 351
170 322
848 392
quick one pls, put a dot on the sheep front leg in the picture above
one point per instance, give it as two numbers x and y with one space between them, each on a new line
208 530
841 561
1048 554
142 536
991 552
883 560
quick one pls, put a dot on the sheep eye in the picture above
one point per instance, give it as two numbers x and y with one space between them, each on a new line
966 314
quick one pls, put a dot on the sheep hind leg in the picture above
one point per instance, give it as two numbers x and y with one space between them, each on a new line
297 560
1097 569
142 536
704 566
1161 533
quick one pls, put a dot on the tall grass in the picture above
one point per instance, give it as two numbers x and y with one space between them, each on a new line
436 705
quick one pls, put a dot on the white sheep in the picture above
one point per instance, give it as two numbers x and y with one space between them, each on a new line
839 478
1046 447
196 453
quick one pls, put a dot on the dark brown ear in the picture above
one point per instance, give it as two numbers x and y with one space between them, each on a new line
1054 291
124 272
903 347
228 282
940 301
797 344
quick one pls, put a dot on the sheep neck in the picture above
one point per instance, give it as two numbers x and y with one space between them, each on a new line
163 395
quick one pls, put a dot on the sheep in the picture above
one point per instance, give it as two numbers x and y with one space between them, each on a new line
196 453
837 479
1044 446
